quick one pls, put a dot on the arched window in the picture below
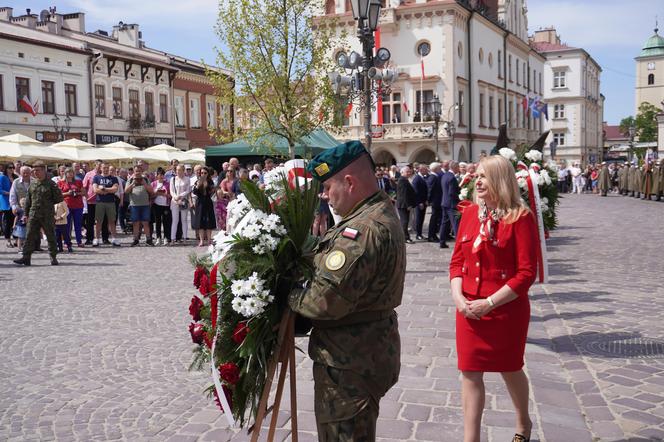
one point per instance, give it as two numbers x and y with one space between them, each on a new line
651 79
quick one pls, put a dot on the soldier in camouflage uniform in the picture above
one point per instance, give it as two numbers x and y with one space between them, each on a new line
360 268
42 196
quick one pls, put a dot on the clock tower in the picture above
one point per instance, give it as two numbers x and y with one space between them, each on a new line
650 73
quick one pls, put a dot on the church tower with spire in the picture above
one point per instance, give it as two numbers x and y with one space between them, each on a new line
650 72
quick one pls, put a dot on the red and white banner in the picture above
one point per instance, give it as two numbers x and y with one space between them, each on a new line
28 106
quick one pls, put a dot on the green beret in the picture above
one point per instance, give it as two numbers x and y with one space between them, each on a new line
327 163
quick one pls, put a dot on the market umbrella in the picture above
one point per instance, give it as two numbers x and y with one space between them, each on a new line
82 151
165 153
192 157
19 147
129 151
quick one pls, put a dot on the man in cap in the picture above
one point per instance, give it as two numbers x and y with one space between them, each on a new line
42 196
604 183
359 277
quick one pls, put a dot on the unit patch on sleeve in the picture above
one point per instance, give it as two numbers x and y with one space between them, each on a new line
335 260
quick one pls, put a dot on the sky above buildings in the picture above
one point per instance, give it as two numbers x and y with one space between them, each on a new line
612 31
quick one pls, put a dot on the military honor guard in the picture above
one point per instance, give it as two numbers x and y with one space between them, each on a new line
604 181
359 277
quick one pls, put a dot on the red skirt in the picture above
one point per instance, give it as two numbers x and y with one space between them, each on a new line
497 341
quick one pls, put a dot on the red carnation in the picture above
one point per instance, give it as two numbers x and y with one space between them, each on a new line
195 308
229 372
240 332
229 397
198 273
197 332
204 285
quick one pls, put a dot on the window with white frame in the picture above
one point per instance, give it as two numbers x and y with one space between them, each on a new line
195 113
559 111
392 108
559 138
559 79
211 117
179 111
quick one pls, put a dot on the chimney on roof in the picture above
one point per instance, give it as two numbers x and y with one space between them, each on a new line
74 22
5 13
127 35
547 35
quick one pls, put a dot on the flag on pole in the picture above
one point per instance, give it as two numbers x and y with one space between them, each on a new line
422 66
348 109
27 105
405 107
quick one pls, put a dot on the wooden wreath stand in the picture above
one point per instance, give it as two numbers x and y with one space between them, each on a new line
284 353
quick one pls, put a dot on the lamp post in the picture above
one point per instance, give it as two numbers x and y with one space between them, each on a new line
365 68
449 126
632 132
61 131
436 105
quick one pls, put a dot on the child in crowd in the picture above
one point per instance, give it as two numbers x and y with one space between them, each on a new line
61 226
20 230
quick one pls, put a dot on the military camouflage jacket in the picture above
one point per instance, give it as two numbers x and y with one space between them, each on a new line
360 270
42 196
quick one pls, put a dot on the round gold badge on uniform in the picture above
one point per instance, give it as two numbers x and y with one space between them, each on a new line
335 260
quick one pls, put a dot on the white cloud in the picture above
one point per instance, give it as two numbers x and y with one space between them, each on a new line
600 24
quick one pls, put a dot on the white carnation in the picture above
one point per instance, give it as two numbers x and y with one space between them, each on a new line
545 200
522 182
534 155
540 179
464 193
522 173
508 153
547 177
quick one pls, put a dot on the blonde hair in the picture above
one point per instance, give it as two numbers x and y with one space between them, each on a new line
503 188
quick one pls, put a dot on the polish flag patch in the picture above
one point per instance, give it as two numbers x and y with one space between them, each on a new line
350 233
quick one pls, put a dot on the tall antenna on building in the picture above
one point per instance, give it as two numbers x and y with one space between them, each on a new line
656 25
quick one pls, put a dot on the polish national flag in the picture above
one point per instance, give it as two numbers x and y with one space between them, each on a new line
348 109
422 66
27 105
405 107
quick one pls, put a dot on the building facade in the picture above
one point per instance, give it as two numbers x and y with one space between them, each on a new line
198 115
108 86
650 73
477 61
50 71
575 104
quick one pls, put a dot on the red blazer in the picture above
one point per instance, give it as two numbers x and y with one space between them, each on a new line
511 258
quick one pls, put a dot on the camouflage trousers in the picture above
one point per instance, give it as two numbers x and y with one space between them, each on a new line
346 410
32 237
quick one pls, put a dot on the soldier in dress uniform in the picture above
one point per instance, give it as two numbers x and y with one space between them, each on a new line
359 277
636 181
42 196
604 181
657 182
622 179
646 180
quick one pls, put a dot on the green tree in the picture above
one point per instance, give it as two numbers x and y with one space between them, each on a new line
278 57
646 122
625 124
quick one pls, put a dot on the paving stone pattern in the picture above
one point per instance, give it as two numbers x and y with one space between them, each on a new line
98 348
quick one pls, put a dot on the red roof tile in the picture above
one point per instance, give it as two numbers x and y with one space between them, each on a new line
613 133
543 46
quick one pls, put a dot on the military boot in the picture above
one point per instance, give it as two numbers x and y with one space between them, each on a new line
22 261
54 261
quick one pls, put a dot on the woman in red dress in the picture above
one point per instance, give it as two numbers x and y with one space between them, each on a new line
493 265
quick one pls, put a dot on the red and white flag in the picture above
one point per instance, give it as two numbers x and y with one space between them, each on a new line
27 105
405 107
422 66
348 109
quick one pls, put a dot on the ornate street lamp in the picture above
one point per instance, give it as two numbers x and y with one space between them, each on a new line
61 131
436 105
450 127
365 68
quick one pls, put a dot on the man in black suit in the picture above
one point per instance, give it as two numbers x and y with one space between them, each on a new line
422 192
383 181
451 190
435 200
406 199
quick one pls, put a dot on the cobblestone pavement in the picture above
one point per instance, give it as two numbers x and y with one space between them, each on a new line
98 348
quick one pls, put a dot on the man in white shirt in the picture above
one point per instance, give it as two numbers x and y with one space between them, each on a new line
577 178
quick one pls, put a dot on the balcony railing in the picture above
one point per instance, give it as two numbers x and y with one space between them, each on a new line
393 131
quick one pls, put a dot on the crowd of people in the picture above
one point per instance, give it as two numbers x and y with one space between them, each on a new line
627 179
418 187
97 201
